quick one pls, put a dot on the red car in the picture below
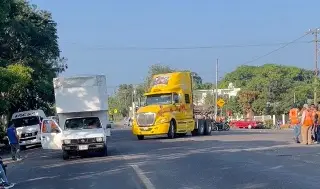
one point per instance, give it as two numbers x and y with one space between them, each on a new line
246 124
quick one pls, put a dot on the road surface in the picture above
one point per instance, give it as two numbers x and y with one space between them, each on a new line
243 159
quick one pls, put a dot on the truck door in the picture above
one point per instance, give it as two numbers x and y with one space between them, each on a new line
179 113
51 135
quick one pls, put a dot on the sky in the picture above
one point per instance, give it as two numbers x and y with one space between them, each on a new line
95 35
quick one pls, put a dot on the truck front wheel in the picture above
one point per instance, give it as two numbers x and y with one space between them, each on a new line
65 155
140 137
171 132
104 151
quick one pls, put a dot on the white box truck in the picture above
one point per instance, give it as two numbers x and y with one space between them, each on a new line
82 109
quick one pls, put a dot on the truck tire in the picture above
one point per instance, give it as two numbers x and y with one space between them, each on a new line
208 127
140 137
171 131
201 127
104 151
65 155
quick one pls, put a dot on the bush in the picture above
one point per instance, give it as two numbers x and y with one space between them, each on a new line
268 124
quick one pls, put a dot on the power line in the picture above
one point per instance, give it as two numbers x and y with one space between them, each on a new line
275 50
192 47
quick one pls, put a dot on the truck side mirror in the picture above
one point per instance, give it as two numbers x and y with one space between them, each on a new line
108 126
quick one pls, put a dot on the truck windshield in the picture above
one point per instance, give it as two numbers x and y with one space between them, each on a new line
83 123
159 99
26 121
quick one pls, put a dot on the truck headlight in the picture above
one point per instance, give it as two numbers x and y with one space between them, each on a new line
99 139
66 141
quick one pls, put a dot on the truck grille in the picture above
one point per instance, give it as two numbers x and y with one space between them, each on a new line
24 135
145 119
83 141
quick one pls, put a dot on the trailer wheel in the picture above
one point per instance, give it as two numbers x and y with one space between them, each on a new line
140 137
201 127
208 128
171 131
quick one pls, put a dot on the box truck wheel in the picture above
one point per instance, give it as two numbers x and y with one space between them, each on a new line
104 151
172 130
140 137
65 155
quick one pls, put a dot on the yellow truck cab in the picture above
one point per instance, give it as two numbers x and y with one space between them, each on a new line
169 108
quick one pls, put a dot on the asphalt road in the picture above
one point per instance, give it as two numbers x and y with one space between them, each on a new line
243 159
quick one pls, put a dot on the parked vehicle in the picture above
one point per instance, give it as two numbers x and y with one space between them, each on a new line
246 124
169 109
28 124
81 106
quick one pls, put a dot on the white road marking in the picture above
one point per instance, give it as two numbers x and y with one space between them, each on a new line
144 179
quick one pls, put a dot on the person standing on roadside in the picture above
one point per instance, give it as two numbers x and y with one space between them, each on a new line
317 125
294 121
307 121
14 141
313 110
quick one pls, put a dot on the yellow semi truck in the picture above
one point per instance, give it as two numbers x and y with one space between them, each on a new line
169 109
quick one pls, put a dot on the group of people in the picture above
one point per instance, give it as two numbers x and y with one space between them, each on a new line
306 122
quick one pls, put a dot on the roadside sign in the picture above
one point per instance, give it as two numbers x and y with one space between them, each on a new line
115 111
220 102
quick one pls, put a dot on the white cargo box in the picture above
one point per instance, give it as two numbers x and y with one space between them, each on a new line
80 93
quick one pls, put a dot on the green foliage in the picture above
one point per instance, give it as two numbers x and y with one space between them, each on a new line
13 80
268 124
270 88
233 105
209 99
29 57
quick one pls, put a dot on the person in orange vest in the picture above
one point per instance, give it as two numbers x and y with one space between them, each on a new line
307 121
295 123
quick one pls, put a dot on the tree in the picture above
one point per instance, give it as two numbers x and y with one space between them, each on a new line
28 36
271 87
13 79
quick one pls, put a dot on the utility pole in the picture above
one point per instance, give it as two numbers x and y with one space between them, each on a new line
315 33
294 97
133 101
216 91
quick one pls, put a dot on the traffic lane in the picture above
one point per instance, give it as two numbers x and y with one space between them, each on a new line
253 160
228 170
127 143
52 172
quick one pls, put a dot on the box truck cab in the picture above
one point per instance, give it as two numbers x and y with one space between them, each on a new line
168 108
28 124
82 109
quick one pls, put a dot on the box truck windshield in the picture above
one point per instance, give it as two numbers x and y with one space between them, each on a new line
159 99
83 123
26 121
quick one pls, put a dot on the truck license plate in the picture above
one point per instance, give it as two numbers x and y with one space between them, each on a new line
83 147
